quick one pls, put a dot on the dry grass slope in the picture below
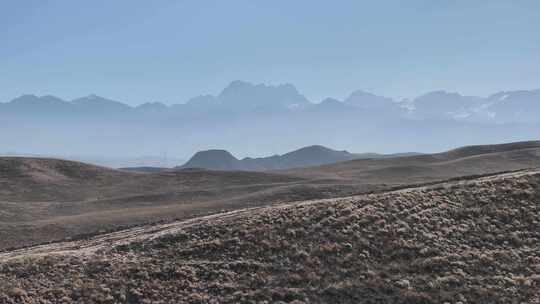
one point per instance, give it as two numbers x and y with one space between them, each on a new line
470 242
43 200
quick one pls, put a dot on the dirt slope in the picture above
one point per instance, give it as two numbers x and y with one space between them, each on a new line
472 241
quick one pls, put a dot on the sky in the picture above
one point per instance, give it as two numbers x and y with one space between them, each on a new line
139 51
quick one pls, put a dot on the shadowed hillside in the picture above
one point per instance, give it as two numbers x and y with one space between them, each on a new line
472 241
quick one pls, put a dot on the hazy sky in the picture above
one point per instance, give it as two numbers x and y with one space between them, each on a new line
139 51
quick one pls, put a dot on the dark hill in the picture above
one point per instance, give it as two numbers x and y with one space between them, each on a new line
314 156
214 160
304 157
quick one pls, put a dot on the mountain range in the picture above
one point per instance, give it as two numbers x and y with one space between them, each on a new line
243 97
253 119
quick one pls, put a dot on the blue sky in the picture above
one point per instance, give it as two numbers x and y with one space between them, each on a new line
141 51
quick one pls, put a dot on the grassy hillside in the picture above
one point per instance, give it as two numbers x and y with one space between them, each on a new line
472 241
47 199
43 200
463 161
41 179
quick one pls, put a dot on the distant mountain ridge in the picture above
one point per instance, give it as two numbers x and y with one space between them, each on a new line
253 118
244 97
310 156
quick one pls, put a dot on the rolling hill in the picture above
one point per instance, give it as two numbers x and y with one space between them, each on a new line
470 160
468 241
43 200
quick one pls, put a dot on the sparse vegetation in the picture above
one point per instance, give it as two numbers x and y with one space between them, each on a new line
468 242
48 200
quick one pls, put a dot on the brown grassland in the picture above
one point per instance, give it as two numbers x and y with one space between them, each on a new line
44 200
470 241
